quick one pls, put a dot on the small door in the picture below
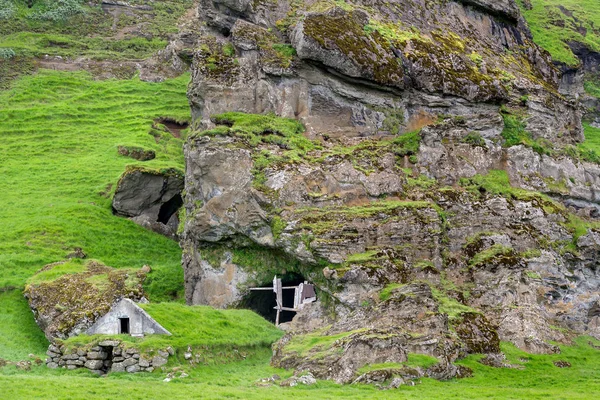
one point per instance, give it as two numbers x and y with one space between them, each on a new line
124 325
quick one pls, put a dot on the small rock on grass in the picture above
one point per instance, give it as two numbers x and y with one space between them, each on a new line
306 379
562 364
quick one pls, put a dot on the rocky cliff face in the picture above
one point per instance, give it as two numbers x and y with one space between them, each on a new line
429 189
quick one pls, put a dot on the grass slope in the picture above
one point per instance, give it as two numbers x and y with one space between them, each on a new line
540 379
592 139
90 33
553 23
19 334
199 326
59 133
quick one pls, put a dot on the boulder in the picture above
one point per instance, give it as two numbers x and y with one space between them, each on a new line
158 361
94 364
150 198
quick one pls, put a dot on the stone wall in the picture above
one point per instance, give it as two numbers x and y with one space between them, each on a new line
106 356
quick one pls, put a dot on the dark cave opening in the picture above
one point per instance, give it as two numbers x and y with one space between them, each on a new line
263 301
169 208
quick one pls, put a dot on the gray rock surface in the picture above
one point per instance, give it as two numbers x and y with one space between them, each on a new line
105 358
150 199
391 236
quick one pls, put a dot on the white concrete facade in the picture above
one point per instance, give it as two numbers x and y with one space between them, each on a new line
126 312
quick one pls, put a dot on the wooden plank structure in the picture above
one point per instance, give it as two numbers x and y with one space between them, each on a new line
303 294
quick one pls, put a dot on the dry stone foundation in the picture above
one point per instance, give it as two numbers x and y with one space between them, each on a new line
107 356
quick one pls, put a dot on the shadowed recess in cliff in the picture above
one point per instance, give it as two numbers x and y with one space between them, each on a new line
169 208
263 302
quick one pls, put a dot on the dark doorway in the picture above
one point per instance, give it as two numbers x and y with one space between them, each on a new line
124 325
109 358
169 208
263 302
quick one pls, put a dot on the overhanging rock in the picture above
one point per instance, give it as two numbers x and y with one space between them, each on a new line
151 198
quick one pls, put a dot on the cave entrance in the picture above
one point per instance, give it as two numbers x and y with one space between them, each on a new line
169 208
291 288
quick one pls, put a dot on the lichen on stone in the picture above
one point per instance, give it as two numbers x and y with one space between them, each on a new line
68 297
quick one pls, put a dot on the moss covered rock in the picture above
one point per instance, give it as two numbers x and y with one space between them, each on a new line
67 297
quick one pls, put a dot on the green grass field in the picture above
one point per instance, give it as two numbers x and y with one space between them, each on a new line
540 379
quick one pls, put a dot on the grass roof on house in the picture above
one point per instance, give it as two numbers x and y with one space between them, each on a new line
196 326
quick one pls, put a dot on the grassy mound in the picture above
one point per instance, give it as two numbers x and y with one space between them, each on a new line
198 326
70 292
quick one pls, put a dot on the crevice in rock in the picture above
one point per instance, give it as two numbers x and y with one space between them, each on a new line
169 208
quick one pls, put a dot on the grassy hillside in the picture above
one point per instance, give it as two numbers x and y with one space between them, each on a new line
553 23
59 133
19 334
81 28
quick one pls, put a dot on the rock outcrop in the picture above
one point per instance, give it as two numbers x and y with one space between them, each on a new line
402 192
150 198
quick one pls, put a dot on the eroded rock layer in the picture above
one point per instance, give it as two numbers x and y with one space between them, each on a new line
424 180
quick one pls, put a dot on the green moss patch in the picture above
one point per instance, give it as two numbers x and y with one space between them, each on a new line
341 30
515 133
388 290
497 183
317 344
496 254
414 361
68 293
450 306
322 220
